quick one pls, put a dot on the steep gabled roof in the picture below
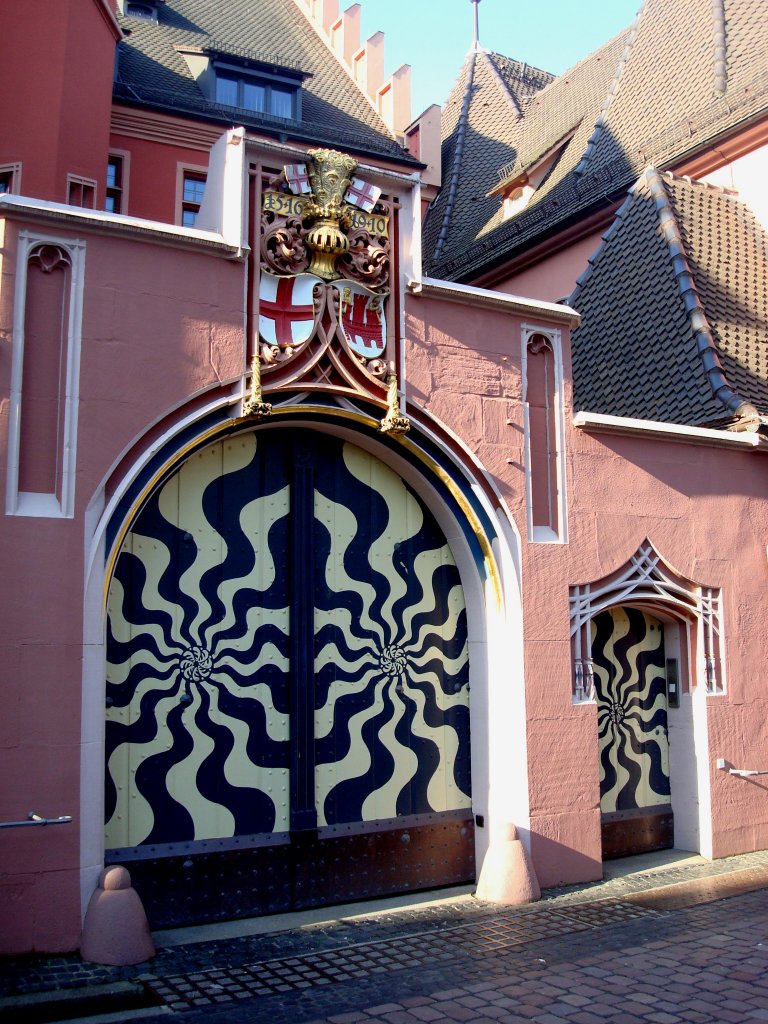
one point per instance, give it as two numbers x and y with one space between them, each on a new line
489 97
681 75
152 72
674 308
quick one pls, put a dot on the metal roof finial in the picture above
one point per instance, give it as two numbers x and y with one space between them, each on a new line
475 25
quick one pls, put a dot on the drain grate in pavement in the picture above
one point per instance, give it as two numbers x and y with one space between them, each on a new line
206 988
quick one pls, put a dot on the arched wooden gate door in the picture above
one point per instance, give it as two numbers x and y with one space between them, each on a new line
287 686
633 734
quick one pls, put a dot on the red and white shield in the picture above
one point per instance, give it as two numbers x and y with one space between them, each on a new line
286 311
363 320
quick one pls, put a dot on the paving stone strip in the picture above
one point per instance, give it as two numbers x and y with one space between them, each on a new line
702 890
477 939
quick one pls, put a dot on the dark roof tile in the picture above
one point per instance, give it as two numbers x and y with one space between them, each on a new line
680 322
652 94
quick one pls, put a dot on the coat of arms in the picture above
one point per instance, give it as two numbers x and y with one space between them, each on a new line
286 310
324 283
362 320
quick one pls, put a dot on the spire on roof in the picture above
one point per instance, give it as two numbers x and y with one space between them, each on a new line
475 24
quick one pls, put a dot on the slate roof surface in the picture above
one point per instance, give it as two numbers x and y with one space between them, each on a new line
335 112
680 75
674 308
480 121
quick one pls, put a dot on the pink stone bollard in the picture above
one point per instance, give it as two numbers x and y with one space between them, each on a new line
507 875
116 930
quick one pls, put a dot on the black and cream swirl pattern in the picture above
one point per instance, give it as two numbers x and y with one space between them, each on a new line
199 649
628 657
391 667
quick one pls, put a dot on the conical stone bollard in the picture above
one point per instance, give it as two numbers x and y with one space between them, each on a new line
116 930
507 875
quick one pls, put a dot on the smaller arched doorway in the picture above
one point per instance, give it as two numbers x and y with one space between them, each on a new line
630 680
287 685
647 651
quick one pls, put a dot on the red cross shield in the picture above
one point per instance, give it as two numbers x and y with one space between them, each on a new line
363 320
286 311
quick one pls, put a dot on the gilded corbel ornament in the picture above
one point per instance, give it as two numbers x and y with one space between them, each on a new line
254 405
330 178
394 422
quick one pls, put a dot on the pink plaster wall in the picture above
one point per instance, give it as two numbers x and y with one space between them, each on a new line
158 326
554 278
705 510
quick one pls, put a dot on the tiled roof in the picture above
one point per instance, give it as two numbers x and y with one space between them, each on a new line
479 125
335 112
680 75
674 309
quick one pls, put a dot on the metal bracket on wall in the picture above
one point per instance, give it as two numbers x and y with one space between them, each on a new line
723 765
36 819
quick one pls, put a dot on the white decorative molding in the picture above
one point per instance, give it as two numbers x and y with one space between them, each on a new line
602 423
61 505
647 580
544 534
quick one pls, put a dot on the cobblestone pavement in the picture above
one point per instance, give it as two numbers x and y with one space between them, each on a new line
682 945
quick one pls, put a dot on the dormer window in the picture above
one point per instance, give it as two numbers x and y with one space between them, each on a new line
265 95
517 199
144 9
246 81
520 179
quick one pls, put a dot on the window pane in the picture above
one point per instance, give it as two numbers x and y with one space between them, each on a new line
193 190
5 182
188 218
112 173
254 96
111 204
281 104
226 90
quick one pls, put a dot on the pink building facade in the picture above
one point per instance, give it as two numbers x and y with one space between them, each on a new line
384 544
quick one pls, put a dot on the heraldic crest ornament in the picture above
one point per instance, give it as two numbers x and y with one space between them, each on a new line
324 285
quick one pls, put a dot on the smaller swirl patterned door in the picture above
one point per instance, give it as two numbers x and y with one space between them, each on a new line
287 686
633 739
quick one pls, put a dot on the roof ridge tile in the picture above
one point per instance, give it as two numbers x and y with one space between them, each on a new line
613 88
706 346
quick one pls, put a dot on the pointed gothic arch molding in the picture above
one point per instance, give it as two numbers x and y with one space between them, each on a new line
646 580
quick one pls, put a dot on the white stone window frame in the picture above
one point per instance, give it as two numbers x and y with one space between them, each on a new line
13 170
88 187
647 581
27 503
184 169
543 534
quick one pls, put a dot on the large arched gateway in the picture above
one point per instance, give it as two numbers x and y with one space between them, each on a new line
287 685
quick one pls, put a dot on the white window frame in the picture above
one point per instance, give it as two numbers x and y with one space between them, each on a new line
544 534
14 170
27 503
124 156
83 183
181 170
